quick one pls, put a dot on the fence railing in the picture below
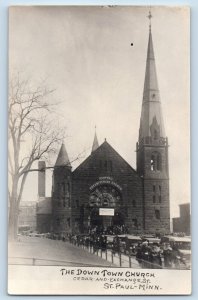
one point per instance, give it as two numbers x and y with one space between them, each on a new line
114 258
35 261
120 259
126 260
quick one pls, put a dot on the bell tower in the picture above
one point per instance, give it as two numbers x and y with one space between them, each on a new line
152 151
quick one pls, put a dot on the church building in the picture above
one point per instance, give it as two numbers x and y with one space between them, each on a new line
104 190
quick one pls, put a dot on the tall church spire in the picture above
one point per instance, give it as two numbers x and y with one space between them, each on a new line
63 158
95 142
152 151
151 122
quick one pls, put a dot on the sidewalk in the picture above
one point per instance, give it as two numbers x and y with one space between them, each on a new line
42 251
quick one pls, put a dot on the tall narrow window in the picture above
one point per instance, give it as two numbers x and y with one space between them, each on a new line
110 165
68 222
154 192
160 194
63 188
157 214
68 188
156 162
155 134
135 223
152 162
134 203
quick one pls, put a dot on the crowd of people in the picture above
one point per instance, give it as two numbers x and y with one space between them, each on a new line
109 230
148 255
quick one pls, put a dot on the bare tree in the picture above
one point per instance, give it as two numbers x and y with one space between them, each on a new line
33 134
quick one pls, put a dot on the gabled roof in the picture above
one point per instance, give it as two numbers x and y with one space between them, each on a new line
103 147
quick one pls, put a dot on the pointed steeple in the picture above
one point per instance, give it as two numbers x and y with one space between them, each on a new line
62 159
151 115
152 151
95 142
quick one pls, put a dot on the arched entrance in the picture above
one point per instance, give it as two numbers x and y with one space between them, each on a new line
105 202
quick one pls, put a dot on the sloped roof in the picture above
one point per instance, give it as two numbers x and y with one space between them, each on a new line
63 158
106 147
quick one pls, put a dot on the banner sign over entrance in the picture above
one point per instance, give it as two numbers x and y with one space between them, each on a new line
106 211
105 180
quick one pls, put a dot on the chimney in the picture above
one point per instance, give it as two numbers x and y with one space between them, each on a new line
41 179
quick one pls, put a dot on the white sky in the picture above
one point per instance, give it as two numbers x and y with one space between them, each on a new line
86 54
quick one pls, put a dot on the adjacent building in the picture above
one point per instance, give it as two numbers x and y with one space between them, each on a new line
27 216
182 224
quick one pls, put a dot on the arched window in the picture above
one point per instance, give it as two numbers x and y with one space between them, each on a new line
155 134
156 162
159 163
154 194
157 214
68 188
134 223
152 163
63 188
160 194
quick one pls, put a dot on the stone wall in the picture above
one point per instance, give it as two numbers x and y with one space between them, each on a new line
106 162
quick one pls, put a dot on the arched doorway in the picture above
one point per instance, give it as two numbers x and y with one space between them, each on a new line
105 196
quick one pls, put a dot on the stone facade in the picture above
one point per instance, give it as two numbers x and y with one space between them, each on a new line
61 199
140 200
154 171
106 174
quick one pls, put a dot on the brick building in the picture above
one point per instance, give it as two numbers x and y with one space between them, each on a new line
105 190
182 224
